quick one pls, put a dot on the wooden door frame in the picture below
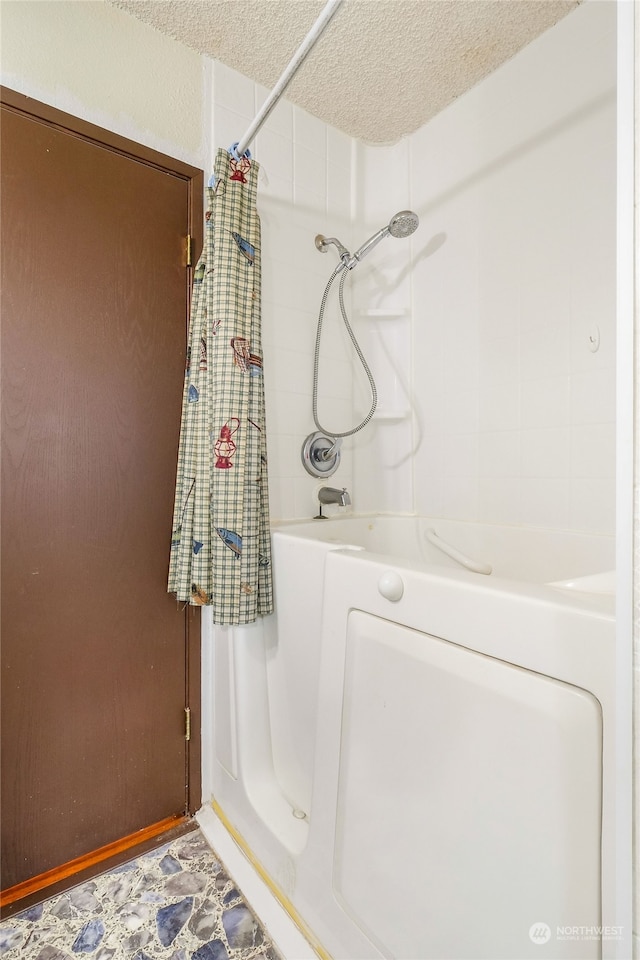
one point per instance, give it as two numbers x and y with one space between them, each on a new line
194 178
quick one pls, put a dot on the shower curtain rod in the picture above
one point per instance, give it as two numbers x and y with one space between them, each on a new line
300 55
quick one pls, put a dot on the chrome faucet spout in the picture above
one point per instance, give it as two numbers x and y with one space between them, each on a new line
333 495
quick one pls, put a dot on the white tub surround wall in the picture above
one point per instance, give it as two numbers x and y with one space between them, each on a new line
518 178
99 63
304 189
512 280
382 305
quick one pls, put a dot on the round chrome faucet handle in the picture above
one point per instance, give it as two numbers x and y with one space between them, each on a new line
314 462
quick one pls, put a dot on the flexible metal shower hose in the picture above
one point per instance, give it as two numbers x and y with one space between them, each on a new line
316 357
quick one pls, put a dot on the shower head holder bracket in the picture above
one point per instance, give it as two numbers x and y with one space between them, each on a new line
321 455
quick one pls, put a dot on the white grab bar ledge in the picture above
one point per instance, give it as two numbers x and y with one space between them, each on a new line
475 566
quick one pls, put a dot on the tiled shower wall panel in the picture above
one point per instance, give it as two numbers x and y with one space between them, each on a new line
304 189
513 280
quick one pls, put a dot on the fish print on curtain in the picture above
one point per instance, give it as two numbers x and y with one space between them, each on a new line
220 545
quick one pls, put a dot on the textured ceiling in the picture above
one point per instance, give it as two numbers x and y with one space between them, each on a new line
381 69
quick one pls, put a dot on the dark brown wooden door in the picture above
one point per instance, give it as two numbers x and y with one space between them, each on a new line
94 651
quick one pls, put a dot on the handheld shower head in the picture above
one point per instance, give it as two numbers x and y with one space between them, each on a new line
402 224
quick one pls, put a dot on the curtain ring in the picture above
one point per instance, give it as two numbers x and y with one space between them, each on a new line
234 153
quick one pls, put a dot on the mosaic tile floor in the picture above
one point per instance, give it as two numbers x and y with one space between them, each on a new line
175 903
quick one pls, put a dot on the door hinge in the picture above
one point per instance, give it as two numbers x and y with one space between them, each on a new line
187 723
188 249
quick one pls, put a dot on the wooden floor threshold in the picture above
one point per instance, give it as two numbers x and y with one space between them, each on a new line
74 871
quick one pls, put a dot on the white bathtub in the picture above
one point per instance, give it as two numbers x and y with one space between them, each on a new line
420 757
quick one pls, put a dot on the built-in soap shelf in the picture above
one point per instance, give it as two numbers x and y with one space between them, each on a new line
385 339
391 415
383 313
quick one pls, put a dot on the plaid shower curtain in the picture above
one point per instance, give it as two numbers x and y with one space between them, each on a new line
220 545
